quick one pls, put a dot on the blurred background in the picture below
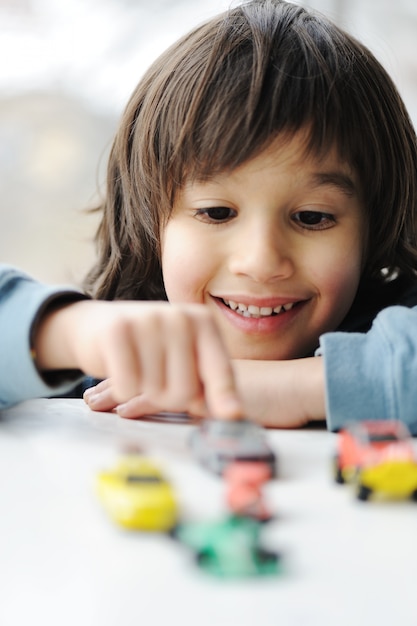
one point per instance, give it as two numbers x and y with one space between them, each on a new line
67 69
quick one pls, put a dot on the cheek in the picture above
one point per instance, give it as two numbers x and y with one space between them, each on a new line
339 279
183 266
342 283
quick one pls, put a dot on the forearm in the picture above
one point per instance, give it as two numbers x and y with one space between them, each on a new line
284 394
54 341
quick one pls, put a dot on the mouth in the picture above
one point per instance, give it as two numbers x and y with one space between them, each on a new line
258 312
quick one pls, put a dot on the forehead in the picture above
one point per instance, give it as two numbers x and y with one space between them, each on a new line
292 155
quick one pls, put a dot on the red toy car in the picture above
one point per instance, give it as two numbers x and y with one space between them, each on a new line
379 457
244 483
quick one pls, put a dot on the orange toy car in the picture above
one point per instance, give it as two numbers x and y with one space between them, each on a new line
378 456
244 482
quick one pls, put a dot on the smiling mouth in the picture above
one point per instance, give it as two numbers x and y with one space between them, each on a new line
251 310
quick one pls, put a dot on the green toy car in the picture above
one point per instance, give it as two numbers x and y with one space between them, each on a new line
229 548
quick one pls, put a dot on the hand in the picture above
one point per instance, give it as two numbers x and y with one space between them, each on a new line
173 355
100 398
280 394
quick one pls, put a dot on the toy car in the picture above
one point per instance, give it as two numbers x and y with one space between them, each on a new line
377 456
229 548
137 495
216 443
244 493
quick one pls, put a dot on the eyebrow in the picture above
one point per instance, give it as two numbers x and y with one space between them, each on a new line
342 182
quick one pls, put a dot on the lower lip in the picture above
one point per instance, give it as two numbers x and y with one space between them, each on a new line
260 325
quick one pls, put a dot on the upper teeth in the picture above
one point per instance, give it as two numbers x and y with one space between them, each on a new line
252 310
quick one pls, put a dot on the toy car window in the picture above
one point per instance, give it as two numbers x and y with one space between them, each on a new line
135 478
361 435
255 458
382 437
226 429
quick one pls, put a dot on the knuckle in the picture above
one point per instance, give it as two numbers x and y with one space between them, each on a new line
173 400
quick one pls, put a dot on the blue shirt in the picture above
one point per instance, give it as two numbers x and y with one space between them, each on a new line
22 301
373 375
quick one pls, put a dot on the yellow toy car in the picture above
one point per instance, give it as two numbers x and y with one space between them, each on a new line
378 456
137 496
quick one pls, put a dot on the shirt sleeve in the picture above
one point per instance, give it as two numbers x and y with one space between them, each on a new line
373 375
22 301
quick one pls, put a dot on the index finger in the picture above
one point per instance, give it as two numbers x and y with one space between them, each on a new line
216 372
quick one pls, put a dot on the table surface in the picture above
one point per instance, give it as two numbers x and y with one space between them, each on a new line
62 561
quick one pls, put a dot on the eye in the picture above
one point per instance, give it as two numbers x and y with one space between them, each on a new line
314 220
216 215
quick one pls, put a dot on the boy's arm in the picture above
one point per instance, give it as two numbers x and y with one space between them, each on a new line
281 394
173 354
358 376
22 303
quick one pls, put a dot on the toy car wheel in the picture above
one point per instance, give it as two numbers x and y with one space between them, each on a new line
363 493
201 556
414 495
266 556
337 472
207 561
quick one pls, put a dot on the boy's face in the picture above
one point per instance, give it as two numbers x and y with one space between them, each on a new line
274 248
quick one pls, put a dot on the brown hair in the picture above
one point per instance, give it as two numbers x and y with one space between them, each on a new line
220 95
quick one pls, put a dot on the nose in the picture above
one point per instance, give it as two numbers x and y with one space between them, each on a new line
264 255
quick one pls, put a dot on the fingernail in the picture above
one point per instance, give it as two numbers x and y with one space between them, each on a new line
91 398
120 410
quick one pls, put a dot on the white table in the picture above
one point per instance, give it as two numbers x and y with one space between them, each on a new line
63 562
